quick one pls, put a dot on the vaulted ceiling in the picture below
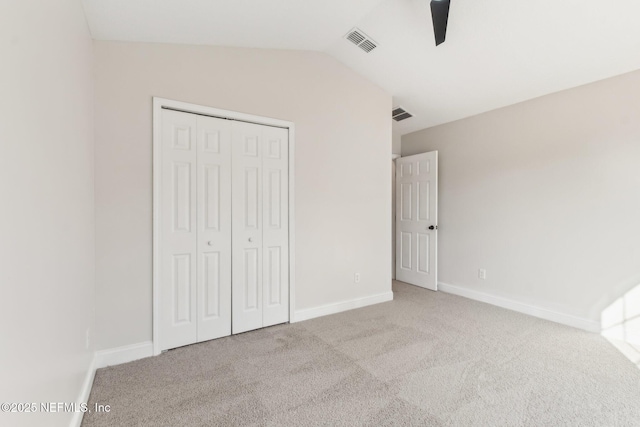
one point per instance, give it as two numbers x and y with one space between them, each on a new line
497 52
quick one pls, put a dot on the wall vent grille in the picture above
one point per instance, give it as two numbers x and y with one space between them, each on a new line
360 39
399 114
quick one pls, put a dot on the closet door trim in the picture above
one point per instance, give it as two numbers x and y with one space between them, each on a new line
158 105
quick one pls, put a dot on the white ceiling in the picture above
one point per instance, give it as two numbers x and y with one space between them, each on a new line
497 52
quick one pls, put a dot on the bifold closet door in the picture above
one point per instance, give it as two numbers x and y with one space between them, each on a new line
214 228
195 229
260 226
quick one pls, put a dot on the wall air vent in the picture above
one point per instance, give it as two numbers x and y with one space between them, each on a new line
400 114
360 39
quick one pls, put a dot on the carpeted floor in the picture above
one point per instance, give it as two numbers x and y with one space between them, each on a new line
426 358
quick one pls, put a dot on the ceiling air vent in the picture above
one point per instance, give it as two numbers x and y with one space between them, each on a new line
400 114
360 39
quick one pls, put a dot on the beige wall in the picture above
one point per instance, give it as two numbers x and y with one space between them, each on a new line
396 147
46 194
545 195
343 190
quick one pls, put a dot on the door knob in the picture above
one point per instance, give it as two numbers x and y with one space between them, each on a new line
251 239
431 227
210 243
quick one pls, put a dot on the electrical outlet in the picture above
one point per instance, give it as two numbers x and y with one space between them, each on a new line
87 341
482 274
356 277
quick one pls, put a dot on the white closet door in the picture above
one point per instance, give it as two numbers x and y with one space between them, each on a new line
247 226
214 228
260 226
223 228
178 321
275 230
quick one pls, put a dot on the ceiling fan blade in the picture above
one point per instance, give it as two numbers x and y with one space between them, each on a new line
440 16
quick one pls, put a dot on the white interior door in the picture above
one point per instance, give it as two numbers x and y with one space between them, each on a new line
260 226
178 233
417 219
224 228
214 228
195 297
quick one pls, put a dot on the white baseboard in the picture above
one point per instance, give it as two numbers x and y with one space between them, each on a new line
338 307
542 313
85 391
103 358
124 354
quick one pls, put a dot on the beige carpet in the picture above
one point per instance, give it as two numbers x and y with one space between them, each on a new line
426 358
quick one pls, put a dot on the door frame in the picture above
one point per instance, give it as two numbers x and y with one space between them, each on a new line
158 105
394 157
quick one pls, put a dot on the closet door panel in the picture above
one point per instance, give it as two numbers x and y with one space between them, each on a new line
275 233
247 224
214 227
178 230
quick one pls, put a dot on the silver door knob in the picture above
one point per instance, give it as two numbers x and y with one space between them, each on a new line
210 243
251 239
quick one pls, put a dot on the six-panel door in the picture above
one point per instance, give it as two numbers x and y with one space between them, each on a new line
416 219
260 226
224 228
